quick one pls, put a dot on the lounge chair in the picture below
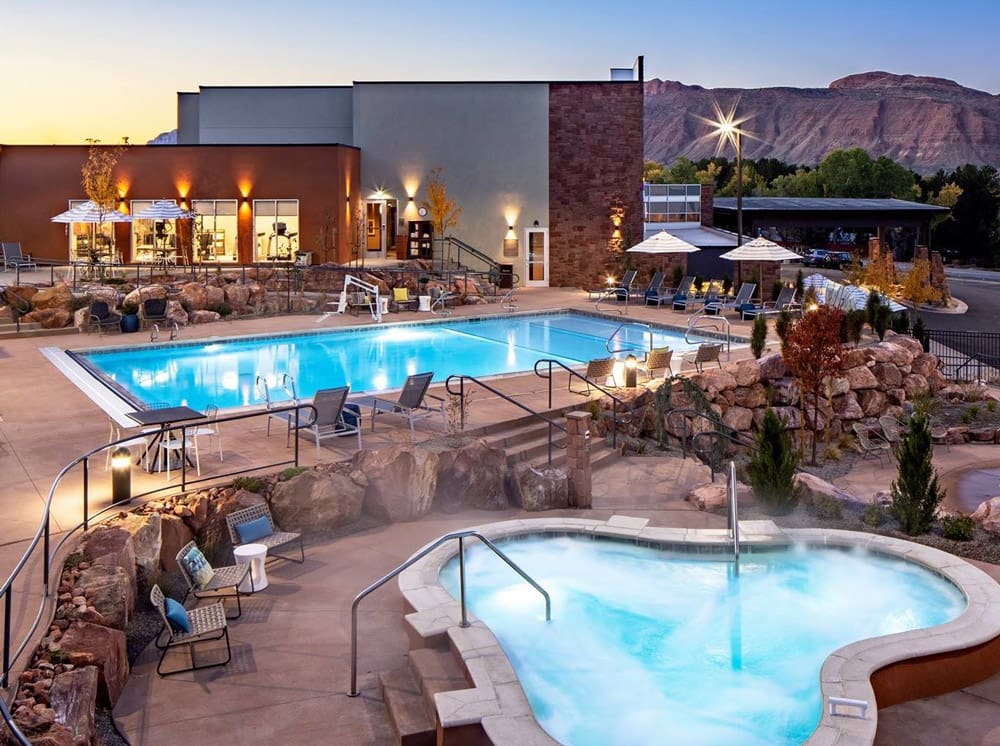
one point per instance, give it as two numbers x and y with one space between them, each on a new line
412 402
401 299
669 295
707 353
14 259
598 371
693 301
206 624
656 359
154 310
653 289
326 419
625 289
276 539
737 304
217 582
870 447
103 317
784 302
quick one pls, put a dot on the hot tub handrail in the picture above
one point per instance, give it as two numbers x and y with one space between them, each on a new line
461 536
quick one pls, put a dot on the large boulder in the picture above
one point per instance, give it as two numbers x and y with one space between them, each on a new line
784 391
237 296
147 539
401 481
174 535
923 364
772 366
539 487
49 318
110 546
85 644
738 418
73 698
318 499
847 407
470 475
987 515
750 397
147 292
888 375
790 416
58 296
714 381
111 591
203 317
711 498
813 487
914 385
861 377
176 313
193 296
852 357
746 372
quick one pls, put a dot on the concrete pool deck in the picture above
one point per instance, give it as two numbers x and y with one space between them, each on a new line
289 671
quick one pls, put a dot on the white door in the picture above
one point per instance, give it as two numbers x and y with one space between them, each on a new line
536 257
374 228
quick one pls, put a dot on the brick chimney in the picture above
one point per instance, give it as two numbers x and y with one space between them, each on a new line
707 200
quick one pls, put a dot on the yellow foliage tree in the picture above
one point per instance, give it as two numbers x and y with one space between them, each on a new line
917 286
444 212
99 175
880 272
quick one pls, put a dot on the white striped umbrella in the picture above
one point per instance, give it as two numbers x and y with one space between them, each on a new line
663 243
759 250
89 212
164 209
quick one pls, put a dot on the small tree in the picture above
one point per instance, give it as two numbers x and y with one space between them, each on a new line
99 178
813 352
758 335
444 212
916 493
799 285
920 334
783 324
917 284
772 466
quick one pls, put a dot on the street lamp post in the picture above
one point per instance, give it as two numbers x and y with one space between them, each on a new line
739 187
727 127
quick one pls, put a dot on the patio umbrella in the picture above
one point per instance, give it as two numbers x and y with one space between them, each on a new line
759 250
92 213
164 209
855 298
820 284
663 243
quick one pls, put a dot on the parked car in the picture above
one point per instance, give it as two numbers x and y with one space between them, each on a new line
827 258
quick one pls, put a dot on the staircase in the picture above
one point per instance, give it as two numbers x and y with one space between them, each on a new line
408 694
8 330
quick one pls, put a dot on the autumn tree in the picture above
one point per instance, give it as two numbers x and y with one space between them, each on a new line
917 284
444 211
99 179
813 352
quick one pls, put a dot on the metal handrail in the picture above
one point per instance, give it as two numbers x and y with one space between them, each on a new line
507 301
461 536
14 731
734 512
720 323
43 533
607 294
607 343
615 401
461 397
489 261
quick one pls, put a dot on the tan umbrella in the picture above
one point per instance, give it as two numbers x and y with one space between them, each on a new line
663 243
759 250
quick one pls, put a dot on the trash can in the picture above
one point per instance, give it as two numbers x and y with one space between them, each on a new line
506 276
303 258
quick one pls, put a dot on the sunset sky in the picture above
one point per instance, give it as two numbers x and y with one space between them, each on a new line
71 70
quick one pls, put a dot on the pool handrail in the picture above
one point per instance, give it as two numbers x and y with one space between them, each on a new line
461 536
719 323
734 512
615 401
615 351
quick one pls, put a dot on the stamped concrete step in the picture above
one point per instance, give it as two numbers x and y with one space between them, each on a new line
436 670
9 331
411 723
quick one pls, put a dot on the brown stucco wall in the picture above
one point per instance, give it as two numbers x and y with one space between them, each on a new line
595 161
37 182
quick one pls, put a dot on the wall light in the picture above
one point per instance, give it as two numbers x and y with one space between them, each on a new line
510 243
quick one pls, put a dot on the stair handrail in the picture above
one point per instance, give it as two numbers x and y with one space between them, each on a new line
719 322
13 730
734 512
720 430
534 413
615 401
461 536
477 253
647 327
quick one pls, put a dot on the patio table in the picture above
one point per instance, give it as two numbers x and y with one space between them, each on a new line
164 418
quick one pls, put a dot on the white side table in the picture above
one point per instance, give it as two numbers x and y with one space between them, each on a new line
253 555
425 303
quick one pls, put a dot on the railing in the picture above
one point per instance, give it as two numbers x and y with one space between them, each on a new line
461 397
12 729
507 301
734 513
717 434
623 325
42 538
461 536
615 401
470 253
615 294
965 355
703 321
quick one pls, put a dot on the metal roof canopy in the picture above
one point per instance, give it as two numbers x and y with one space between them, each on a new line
830 211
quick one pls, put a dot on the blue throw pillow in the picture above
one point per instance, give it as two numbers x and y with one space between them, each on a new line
253 530
177 616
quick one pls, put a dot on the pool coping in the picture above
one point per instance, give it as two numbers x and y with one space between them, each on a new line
497 703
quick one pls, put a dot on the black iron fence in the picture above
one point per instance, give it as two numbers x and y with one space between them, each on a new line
964 355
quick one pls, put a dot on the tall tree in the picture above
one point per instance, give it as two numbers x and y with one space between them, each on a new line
975 228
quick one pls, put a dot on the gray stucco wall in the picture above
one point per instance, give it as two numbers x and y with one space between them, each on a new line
275 115
187 119
490 139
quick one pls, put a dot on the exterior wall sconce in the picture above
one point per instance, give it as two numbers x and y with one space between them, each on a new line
246 199
348 199
630 371
510 243
121 475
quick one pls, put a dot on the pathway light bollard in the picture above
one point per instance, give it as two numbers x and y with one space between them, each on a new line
630 373
121 475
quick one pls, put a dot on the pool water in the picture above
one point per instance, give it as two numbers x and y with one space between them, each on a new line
223 371
650 647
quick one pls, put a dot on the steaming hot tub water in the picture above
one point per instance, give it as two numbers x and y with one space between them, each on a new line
645 644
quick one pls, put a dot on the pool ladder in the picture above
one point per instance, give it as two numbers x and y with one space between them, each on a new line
461 536
624 324
717 323
734 514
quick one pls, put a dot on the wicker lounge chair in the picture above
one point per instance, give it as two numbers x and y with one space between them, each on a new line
891 431
412 402
598 371
275 540
870 447
225 581
208 623
103 317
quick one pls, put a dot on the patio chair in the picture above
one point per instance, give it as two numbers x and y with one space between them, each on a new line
412 402
327 421
115 434
784 302
239 525
653 288
14 259
210 429
401 299
870 447
707 353
205 624
598 371
153 310
205 581
103 317
891 433
658 358
288 417
742 299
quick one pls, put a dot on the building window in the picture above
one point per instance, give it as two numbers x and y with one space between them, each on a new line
153 240
672 203
276 229
215 230
91 242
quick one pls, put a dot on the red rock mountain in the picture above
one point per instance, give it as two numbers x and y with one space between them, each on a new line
924 123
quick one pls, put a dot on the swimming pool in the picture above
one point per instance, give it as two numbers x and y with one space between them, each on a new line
646 642
372 359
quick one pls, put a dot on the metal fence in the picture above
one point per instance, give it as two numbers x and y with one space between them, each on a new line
965 355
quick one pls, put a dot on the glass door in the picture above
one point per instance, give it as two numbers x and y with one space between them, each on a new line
375 210
537 256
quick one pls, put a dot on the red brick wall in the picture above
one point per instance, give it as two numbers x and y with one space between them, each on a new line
595 162
707 202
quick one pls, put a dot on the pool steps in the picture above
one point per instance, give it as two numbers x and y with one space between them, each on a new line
408 693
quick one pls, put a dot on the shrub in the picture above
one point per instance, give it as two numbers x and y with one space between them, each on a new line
991 406
291 471
678 274
900 323
970 414
920 334
758 335
250 484
874 515
799 285
783 325
772 466
883 316
854 325
828 508
958 527
916 493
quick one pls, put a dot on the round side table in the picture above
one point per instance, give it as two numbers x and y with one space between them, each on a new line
253 555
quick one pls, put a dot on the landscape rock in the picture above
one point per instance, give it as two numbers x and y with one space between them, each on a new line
772 366
539 487
746 372
847 407
203 317
49 318
923 364
73 698
318 500
750 397
111 591
987 515
174 534
888 375
470 475
860 378
147 538
738 418
401 481
784 392
813 487
176 313
915 385
85 644
59 296
711 498
107 545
